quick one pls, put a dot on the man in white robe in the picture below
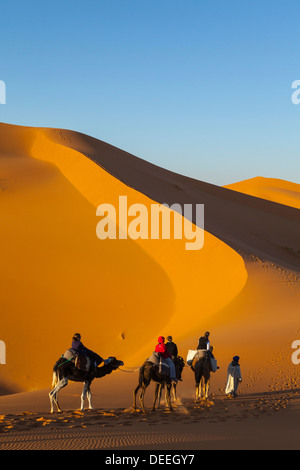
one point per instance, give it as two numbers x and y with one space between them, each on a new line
234 377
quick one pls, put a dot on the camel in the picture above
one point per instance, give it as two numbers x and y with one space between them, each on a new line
201 368
179 365
148 372
65 370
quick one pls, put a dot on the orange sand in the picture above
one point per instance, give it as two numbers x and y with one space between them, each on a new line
276 190
58 278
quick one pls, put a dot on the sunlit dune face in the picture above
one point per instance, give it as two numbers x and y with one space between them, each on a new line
57 277
276 190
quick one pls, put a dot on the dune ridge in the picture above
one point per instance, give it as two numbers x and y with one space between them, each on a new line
270 230
272 189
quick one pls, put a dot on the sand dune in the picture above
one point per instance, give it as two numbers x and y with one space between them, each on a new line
276 190
57 277
244 222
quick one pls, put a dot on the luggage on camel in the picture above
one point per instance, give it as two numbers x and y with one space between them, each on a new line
154 358
214 365
195 354
190 356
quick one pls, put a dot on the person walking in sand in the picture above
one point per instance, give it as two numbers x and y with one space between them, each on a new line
234 377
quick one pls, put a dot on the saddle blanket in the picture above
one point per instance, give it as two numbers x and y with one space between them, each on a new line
70 354
81 362
163 366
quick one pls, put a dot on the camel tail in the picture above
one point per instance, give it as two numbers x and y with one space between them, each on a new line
55 376
141 375
54 379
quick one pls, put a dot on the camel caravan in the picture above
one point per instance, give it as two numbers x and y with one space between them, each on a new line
164 367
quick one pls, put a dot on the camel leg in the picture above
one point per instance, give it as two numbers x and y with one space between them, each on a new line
86 392
141 398
198 392
160 395
53 395
174 388
157 386
169 397
89 397
134 396
207 388
203 395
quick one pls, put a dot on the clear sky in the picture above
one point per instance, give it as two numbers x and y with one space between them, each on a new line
201 87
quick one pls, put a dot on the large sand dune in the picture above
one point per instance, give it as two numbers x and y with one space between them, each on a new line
58 278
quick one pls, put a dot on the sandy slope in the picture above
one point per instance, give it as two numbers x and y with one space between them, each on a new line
251 224
276 190
57 277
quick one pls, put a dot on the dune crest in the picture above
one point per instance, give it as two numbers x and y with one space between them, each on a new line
272 189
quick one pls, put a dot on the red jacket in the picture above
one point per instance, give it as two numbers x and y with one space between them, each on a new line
162 349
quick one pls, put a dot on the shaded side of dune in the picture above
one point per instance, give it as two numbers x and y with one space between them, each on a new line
246 223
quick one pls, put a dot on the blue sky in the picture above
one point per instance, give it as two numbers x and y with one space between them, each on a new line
200 87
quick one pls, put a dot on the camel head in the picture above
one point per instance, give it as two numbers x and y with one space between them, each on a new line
109 365
114 363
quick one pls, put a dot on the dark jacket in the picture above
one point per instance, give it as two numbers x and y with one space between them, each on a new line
81 349
172 348
203 342
78 346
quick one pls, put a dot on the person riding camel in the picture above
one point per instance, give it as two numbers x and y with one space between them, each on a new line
204 342
171 347
77 345
162 350
173 350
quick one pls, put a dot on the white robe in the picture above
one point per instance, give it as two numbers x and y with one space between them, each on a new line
234 377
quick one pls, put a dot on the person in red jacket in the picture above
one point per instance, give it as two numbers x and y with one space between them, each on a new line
162 349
